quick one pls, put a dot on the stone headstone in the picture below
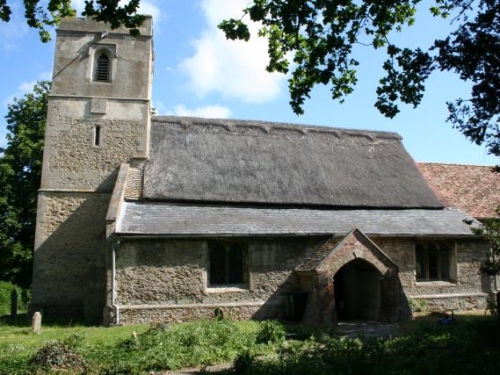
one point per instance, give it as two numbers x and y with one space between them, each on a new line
36 322
13 303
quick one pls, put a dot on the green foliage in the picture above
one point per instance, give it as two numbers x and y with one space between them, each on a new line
116 14
417 305
6 289
20 173
165 347
491 233
43 15
271 332
465 348
320 37
468 347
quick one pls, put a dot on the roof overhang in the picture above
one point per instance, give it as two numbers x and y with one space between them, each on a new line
155 219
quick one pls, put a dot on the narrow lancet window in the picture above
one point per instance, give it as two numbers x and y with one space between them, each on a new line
97 136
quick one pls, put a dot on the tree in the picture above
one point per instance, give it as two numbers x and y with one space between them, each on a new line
313 40
20 173
42 14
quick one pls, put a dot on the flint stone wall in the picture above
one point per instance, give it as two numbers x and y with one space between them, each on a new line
166 280
69 264
467 292
170 278
75 163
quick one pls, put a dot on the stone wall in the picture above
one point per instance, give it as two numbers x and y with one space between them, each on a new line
69 264
468 291
167 279
77 40
72 161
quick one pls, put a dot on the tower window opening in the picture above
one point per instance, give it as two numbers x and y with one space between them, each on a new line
97 136
102 69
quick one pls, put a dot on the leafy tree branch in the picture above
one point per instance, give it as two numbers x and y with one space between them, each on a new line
313 41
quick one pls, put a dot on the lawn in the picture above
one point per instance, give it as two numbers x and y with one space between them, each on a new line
471 345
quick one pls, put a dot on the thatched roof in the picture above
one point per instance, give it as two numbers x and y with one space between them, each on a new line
165 219
472 188
230 161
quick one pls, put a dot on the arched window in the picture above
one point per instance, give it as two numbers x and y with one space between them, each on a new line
102 69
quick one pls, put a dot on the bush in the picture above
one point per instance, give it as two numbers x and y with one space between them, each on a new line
6 289
271 332
417 305
468 347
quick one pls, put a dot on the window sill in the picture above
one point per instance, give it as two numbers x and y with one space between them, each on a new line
228 289
435 283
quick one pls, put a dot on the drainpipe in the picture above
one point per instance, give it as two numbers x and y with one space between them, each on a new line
116 308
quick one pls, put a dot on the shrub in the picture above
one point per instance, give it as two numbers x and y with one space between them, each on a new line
6 289
417 305
271 332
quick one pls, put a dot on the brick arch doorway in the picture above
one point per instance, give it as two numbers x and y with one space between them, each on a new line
358 291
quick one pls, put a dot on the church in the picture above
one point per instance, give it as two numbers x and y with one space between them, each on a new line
145 218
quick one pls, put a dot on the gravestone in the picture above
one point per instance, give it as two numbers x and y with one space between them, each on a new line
36 322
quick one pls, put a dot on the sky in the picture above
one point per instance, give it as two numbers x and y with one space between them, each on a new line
197 72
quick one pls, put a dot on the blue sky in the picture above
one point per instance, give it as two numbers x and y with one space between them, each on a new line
199 73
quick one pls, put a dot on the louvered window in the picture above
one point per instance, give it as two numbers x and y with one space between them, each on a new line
102 68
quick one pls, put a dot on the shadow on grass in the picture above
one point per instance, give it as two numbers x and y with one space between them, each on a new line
24 320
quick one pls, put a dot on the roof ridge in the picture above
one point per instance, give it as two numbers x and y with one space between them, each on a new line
267 126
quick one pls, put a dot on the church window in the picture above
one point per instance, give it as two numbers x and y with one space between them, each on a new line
435 261
102 70
227 264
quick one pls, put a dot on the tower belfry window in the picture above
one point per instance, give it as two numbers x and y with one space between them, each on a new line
102 68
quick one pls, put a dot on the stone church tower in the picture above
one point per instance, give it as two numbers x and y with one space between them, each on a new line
98 117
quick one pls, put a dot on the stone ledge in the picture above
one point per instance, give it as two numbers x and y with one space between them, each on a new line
191 306
449 295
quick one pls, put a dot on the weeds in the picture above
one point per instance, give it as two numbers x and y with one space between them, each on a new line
271 332
470 347
467 347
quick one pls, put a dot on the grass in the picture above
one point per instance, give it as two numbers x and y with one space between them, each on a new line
128 349
470 346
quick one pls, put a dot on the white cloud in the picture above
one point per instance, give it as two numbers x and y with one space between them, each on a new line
233 69
209 111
